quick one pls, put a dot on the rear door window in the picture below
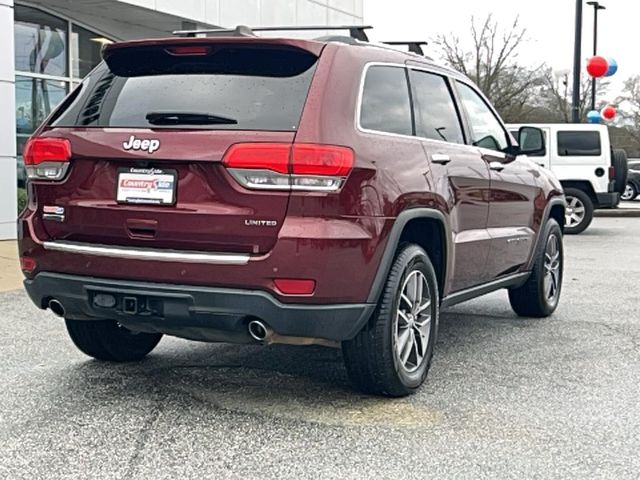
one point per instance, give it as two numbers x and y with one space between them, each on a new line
386 105
436 115
234 88
579 144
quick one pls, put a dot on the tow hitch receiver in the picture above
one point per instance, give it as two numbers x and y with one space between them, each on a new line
130 305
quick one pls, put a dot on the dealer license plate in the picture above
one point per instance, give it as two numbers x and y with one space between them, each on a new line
147 186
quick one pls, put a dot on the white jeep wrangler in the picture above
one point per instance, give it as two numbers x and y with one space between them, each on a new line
592 173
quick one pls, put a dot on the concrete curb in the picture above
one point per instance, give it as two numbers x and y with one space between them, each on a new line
618 212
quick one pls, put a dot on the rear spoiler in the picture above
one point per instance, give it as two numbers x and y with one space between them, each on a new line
237 55
308 45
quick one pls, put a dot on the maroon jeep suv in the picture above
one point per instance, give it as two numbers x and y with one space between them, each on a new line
274 190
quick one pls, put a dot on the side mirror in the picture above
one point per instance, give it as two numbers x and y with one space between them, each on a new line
531 141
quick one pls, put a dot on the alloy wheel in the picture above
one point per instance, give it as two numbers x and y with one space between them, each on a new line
552 264
628 193
413 322
575 212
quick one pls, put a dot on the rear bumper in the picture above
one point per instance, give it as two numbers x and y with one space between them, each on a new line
307 248
608 200
188 311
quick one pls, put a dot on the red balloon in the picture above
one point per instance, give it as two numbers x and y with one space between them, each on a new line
609 112
597 67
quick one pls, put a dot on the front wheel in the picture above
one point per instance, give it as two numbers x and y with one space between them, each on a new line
630 192
540 295
579 212
392 355
109 341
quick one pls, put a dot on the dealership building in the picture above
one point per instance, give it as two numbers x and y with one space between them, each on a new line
49 45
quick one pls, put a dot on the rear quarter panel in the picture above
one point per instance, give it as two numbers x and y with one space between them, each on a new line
391 172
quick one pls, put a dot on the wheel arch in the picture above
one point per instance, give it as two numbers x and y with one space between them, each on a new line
425 227
555 209
635 182
583 185
557 212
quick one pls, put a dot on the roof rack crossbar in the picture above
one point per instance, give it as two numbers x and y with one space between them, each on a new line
357 32
414 47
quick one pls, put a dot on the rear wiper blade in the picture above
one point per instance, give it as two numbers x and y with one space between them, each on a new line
187 118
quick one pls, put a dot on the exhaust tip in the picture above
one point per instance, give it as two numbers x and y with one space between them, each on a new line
258 330
56 307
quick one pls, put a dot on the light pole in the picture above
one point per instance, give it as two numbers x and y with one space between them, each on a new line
577 53
596 7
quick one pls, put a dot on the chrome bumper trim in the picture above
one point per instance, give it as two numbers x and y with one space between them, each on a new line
148 254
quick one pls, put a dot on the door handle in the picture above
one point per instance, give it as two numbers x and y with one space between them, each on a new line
440 158
496 166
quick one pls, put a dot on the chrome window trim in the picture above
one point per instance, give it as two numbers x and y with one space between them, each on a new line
148 254
363 77
434 71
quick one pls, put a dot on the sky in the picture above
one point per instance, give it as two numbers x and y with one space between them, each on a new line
549 24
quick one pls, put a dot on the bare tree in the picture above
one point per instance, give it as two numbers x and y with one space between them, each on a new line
630 101
556 93
629 109
490 59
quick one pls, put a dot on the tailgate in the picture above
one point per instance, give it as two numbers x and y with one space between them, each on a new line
210 212
148 130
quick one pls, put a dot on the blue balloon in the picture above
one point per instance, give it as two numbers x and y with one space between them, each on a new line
594 116
613 67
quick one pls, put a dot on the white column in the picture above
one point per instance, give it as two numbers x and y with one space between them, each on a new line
8 188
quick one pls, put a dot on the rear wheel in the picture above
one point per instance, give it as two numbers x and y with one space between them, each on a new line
630 192
540 295
579 212
109 341
392 355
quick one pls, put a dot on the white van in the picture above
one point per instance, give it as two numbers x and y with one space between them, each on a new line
592 174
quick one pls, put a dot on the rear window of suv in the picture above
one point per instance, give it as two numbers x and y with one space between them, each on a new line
386 105
579 144
233 88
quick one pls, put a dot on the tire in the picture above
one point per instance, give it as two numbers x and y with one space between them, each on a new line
630 193
372 359
108 341
540 295
621 166
579 213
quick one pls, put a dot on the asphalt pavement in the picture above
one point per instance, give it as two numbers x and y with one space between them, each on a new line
506 397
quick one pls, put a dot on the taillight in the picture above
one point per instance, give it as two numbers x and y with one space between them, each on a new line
47 158
281 166
612 173
320 167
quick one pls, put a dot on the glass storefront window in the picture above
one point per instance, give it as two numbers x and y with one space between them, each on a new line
44 50
35 99
85 50
40 42
41 50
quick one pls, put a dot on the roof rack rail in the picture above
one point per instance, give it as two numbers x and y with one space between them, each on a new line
414 47
357 32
